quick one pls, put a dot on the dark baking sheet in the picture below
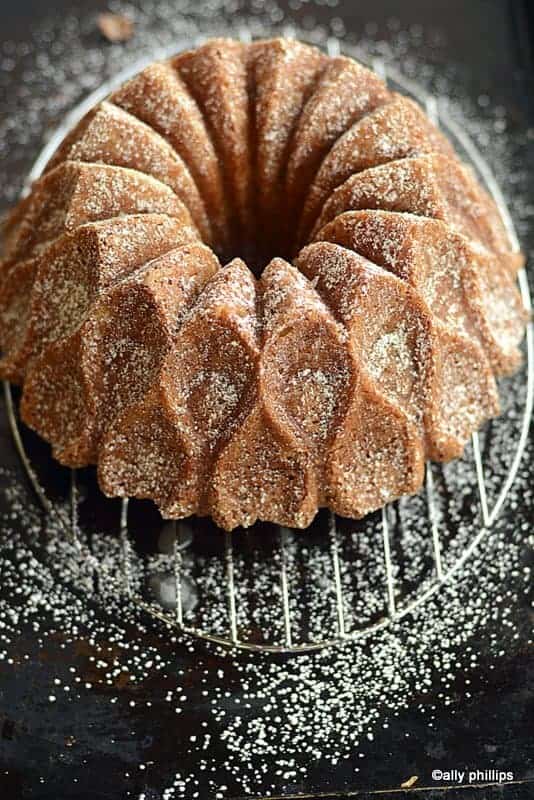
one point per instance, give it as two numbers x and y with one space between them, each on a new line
490 44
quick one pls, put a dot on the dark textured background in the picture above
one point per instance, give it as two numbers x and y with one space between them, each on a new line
490 43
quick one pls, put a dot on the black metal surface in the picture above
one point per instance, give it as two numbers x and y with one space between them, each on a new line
91 749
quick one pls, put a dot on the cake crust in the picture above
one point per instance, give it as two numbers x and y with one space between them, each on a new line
360 332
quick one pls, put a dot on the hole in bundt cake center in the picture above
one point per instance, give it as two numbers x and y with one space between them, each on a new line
256 256
257 251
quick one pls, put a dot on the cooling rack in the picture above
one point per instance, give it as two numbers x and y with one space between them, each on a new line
281 591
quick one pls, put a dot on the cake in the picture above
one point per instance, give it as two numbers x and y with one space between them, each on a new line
254 282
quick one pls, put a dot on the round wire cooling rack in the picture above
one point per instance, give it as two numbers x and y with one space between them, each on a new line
281 591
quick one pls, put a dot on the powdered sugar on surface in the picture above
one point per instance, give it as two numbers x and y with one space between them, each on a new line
271 725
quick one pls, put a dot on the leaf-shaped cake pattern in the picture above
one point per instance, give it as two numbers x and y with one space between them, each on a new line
254 387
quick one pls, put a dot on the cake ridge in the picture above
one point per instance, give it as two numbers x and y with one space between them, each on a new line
76 193
101 257
406 131
174 114
216 75
422 185
333 107
458 296
114 335
198 403
279 97
110 135
410 350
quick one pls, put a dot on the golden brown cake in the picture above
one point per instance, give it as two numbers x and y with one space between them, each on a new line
253 282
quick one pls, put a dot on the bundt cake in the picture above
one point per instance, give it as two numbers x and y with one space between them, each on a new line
359 332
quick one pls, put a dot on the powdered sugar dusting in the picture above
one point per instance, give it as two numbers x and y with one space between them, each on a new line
279 727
